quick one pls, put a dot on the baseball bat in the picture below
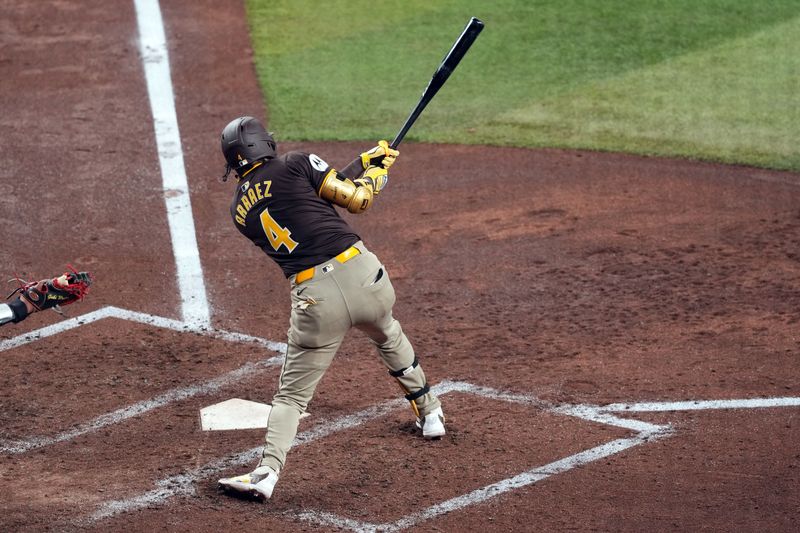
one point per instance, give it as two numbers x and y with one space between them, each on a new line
447 66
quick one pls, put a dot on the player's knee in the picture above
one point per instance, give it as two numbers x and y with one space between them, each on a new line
392 337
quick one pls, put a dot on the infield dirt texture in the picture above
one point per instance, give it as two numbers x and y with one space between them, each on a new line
536 285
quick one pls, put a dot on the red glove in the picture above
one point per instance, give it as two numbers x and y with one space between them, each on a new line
49 293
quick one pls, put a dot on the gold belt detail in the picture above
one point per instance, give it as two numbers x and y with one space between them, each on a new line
307 274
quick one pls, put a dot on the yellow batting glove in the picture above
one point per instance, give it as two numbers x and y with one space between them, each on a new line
375 178
381 155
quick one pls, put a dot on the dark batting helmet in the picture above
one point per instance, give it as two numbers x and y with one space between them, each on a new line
244 142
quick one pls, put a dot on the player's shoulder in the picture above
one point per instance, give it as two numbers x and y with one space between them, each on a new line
305 161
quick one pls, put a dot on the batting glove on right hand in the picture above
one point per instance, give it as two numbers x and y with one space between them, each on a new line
381 155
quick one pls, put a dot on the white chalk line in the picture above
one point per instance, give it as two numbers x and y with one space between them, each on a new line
54 329
135 316
701 405
155 60
594 414
646 433
586 412
183 483
184 327
139 408
166 398
484 493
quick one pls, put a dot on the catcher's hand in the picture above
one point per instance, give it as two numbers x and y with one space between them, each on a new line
381 155
49 293
375 178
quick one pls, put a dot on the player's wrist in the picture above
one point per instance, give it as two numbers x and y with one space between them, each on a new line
21 309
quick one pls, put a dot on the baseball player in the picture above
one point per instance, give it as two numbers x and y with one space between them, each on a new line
285 206
45 294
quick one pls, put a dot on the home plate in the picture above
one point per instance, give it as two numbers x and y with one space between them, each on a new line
235 414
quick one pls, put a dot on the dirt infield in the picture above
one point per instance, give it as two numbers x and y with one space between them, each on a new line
538 287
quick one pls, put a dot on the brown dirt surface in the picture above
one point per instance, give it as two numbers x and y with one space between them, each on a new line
569 277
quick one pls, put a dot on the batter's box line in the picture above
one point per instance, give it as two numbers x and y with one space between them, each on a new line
482 494
143 318
144 406
646 433
184 484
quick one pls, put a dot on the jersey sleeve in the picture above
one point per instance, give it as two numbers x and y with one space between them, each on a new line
311 166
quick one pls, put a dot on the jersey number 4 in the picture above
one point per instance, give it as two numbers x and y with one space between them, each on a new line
276 235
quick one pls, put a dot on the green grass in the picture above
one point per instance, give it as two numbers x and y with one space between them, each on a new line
706 79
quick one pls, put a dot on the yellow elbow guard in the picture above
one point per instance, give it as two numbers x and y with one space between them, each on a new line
343 192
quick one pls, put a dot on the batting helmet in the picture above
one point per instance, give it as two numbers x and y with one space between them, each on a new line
244 142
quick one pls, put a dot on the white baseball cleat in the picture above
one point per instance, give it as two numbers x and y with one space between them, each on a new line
432 424
258 484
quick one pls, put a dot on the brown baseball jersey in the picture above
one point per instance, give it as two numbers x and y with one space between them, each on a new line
277 207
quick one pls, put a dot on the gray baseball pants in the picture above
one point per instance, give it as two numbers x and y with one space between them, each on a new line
358 294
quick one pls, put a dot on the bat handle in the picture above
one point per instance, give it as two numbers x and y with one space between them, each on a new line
399 137
407 126
396 142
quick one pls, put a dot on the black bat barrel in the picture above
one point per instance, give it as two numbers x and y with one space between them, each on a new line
447 66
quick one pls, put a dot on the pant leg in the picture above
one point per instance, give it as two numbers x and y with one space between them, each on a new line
371 303
397 353
316 331
302 371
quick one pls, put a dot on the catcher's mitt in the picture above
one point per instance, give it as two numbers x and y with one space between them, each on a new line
68 288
